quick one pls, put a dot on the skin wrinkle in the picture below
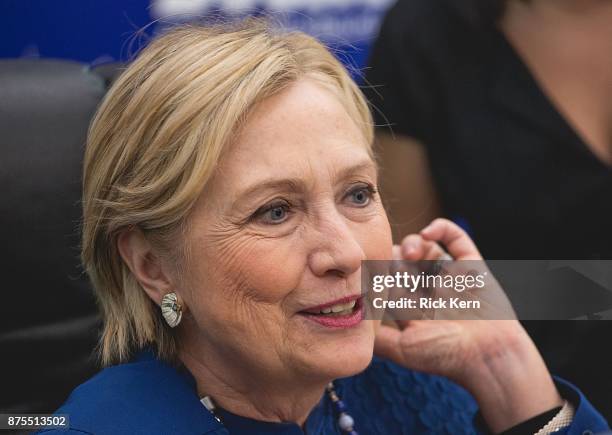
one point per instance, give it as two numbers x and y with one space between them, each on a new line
183 130
244 341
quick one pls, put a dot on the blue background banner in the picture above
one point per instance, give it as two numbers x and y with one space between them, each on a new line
95 31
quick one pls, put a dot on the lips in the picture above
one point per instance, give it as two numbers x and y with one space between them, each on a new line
341 313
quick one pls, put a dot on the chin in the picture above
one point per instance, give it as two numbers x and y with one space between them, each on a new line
344 354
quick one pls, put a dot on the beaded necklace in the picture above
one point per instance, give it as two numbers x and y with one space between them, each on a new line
345 421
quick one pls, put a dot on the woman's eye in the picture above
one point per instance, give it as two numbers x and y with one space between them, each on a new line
361 196
277 214
274 214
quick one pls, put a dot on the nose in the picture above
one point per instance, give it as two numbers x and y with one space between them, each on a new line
336 249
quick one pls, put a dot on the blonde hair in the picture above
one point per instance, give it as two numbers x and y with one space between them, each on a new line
155 141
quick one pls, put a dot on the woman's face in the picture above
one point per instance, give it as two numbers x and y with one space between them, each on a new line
279 235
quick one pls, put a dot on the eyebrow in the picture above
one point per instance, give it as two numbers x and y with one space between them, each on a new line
297 185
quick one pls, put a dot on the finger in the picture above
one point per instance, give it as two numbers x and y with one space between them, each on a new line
433 250
412 247
458 243
386 344
415 248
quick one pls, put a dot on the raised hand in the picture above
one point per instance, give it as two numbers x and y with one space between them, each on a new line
493 359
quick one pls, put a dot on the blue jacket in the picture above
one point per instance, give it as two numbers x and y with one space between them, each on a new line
148 396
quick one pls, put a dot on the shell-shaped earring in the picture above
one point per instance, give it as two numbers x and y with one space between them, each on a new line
171 309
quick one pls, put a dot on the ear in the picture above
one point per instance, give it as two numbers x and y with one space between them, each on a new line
137 252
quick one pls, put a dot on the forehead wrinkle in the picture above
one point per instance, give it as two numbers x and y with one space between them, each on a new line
308 181
348 171
252 152
294 185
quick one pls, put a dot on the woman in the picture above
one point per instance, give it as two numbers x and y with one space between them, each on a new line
229 199
501 114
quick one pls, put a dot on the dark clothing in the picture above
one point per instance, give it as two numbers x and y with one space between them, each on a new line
503 159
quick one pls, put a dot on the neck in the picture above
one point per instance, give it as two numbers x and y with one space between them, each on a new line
243 392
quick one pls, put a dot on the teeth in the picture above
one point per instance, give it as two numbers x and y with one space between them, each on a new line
340 308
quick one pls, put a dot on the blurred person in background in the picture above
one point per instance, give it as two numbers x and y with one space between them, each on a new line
498 114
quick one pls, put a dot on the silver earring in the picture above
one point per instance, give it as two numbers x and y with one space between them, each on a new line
171 309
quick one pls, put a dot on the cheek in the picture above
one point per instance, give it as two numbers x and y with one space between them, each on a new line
375 238
271 269
251 269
